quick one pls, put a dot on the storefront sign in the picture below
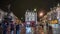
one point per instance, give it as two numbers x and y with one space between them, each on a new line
54 22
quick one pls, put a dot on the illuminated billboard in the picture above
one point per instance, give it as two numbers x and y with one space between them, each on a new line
53 22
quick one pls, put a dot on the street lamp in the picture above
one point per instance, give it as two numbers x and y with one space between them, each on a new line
41 14
34 9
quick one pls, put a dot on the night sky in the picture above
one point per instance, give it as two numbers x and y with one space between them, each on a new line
19 6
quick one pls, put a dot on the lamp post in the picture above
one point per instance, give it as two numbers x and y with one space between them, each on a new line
41 14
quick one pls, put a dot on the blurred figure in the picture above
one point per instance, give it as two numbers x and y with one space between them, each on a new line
41 30
17 29
1 29
28 30
12 28
23 29
8 29
4 25
50 30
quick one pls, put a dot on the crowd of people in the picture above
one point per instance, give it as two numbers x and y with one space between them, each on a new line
7 25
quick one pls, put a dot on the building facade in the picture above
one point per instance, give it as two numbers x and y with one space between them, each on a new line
30 20
53 19
30 17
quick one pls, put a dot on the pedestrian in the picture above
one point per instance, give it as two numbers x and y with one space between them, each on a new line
17 29
1 29
50 30
12 28
4 28
8 30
